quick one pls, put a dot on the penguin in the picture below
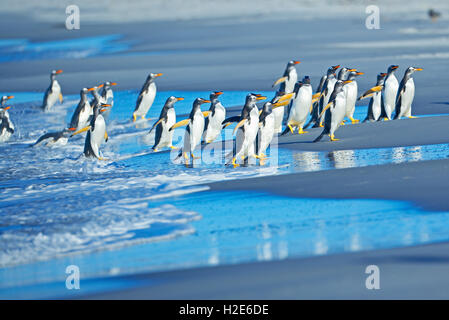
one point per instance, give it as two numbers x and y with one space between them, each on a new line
318 98
6 127
3 106
287 82
166 120
51 139
215 120
405 95
266 130
300 107
351 90
375 103
83 111
328 89
146 97
194 130
335 111
389 93
96 130
53 92
107 97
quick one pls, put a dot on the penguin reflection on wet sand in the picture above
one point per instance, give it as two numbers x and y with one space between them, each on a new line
406 94
334 111
146 97
53 93
96 133
194 130
167 118
215 119
375 103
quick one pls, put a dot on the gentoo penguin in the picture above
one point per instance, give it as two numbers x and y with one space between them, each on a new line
146 97
3 101
194 130
6 127
319 97
107 97
351 91
215 119
266 131
389 93
51 139
406 93
246 129
53 92
83 111
96 133
375 103
328 89
335 111
166 120
287 82
300 107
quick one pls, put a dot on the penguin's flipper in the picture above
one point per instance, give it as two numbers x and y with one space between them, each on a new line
229 121
106 137
155 125
179 124
60 98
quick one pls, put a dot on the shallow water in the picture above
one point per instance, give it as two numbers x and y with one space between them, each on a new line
142 212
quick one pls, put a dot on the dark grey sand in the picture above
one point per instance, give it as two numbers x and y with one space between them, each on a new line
223 55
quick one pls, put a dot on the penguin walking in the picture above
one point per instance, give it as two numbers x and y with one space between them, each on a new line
5 108
82 113
375 103
96 133
53 93
146 97
389 93
287 82
167 118
318 97
406 94
215 119
300 107
51 139
246 129
6 126
334 111
194 130
107 97
351 91
266 130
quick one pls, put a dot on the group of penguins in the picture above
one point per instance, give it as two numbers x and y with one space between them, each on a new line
334 99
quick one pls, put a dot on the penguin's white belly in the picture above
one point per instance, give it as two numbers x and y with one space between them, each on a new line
97 135
147 101
215 124
338 112
278 114
196 131
301 107
377 105
266 133
389 94
351 97
84 115
53 97
407 98
5 135
290 83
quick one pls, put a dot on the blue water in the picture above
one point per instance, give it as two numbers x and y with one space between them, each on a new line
23 49
141 213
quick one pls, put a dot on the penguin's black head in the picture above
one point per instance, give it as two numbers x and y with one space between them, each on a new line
306 80
54 73
214 95
392 68
267 107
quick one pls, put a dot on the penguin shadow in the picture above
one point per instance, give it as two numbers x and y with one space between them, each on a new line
440 102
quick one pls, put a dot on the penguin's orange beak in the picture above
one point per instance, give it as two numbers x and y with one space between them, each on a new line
72 129
360 73
336 67
58 71
217 93
419 69
206 101
91 89
100 86
296 62
383 74
158 74
9 97
394 67
113 83
180 98
7 108
261 98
